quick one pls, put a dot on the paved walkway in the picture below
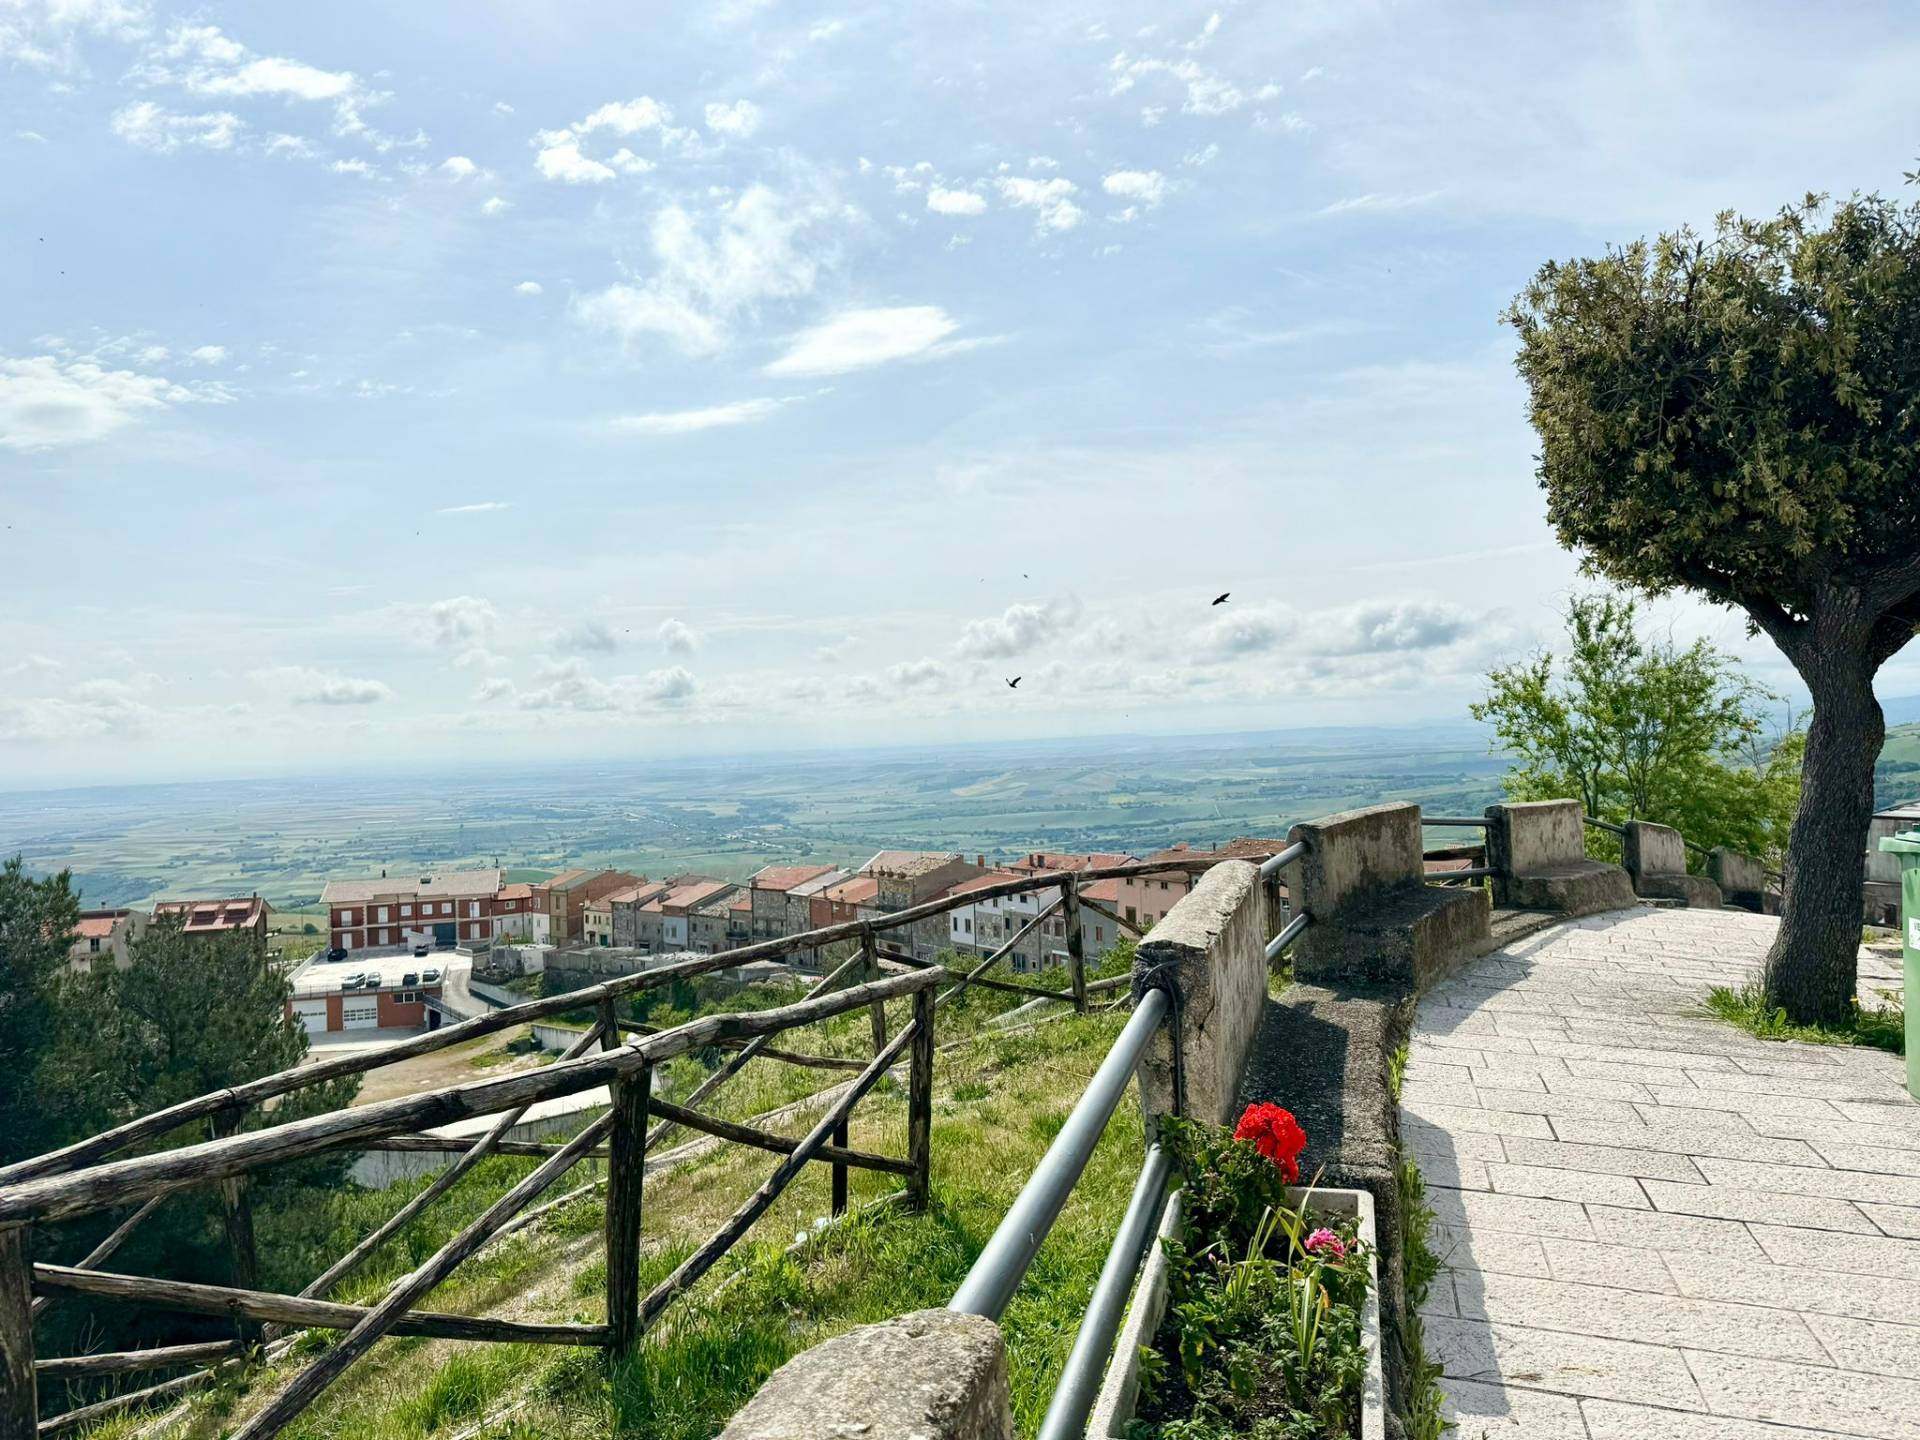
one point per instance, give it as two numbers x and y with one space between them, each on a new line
1658 1226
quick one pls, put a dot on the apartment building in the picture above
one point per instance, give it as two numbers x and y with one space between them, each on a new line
456 908
769 886
514 917
198 918
563 899
102 938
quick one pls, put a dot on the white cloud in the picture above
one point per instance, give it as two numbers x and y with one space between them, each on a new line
208 355
1205 155
1247 631
856 339
563 161
584 637
1049 199
479 507
501 107
212 63
46 402
32 665
1017 630
1149 187
917 675
627 117
571 686
676 637
41 35
300 685
32 137
711 417
460 621
1374 203
495 205
1382 627
1207 92
737 120
145 124
709 271
528 287
955 202
354 166
458 167
493 688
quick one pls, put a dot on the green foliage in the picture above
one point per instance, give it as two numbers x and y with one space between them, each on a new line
1261 1336
37 921
1734 415
1641 729
1876 1027
1419 1266
1397 1069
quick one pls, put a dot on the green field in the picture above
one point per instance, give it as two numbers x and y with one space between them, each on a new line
287 838
1896 779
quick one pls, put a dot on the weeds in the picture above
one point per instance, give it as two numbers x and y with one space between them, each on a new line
1877 1028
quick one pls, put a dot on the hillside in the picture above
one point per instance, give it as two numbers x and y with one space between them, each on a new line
1896 778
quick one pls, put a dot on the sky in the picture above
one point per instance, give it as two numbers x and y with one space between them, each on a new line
452 384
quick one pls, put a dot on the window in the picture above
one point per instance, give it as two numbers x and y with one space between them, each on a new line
383 914
93 944
1130 914
473 908
1099 933
1163 884
407 997
405 911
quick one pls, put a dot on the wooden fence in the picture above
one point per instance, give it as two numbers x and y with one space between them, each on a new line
619 1054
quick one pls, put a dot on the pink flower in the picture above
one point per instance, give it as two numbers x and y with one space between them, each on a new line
1326 1240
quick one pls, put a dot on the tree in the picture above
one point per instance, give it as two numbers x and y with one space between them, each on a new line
1740 417
1642 729
37 922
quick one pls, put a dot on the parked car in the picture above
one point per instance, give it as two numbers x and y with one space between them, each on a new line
335 955
420 949
352 982
409 979
429 976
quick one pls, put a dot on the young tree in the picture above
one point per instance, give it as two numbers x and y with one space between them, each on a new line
1642 729
37 921
1741 417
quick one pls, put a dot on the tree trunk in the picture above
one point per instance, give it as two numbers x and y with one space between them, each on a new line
1812 969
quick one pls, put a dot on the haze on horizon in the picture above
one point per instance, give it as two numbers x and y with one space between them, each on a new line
472 383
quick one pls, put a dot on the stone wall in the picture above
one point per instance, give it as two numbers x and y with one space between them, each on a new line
1655 858
1212 948
1742 880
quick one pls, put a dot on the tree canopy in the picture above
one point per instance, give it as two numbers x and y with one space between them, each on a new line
1643 729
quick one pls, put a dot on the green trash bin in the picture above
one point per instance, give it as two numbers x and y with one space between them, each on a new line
1907 846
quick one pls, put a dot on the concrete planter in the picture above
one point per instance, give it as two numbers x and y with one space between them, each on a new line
1120 1392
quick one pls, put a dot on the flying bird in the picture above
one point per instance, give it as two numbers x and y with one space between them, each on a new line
1014 684
1223 598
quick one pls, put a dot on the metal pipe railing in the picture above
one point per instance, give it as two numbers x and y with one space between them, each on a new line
1288 933
1001 1266
1472 821
1273 864
1080 1378
1471 872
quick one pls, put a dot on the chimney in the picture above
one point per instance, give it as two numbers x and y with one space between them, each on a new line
981 861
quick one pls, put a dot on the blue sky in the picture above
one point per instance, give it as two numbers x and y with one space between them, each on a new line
418 384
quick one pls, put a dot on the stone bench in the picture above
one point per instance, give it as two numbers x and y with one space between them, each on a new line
1538 852
1655 858
1375 919
1742 881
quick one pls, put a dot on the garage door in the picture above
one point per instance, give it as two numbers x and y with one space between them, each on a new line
359 1014
312 1014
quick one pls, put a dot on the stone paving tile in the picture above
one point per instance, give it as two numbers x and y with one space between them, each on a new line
1790 1287
1418 1093
1723 1203
1621 1054
1453 1172
1812 1396
1475 1210
1590 1262
1704 1098
1870 1346
1901 1116
1619 1314
1603 1159
1491 1122
1610 1420
1500 1250
1832 1130
1576 1107
1593 1088
1807 1180
1498 1410
1501 1078
1614 1070
1843 1254
1488 1044
1659 1231
1565 1364
1900 1220
1424 1140
1550 1183
1881 1159
1839 1086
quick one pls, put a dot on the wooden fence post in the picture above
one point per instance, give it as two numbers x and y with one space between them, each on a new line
920 1101
626 1177
1076 945
878 1010
19 1405
242 1259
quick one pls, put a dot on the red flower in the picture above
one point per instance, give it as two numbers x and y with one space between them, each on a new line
1276 1135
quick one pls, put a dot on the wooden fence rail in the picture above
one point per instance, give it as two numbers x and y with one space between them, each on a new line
617 1054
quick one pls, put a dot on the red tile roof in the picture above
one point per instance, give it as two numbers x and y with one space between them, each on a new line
99 926
516 891
855 891
208 916
785 877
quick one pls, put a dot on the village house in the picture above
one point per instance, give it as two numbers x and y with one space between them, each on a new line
851 898
514 917
663 923
440 911
102 937
200 918
625 904
564 899
911 877
800 912
769 887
